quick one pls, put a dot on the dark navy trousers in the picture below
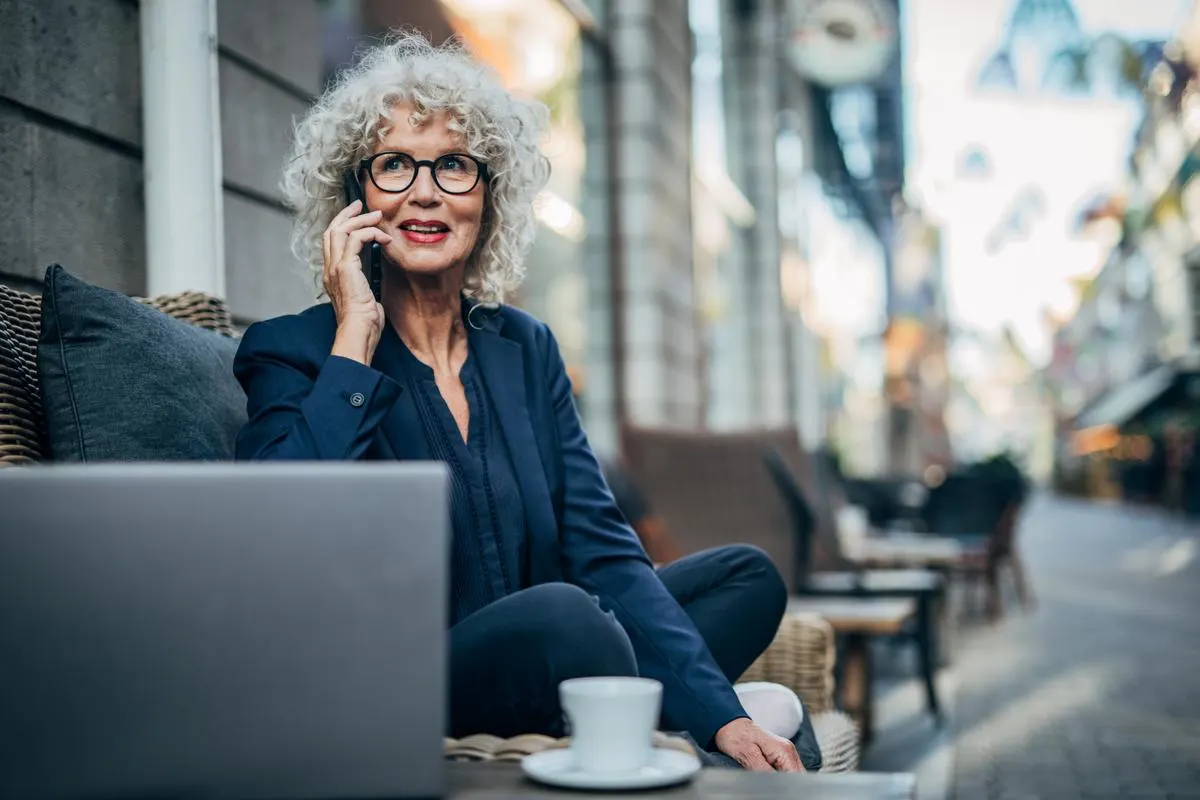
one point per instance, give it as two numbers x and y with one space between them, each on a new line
507 659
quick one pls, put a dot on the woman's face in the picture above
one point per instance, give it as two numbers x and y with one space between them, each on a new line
432 231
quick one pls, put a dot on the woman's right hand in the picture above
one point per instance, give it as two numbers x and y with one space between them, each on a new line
359 315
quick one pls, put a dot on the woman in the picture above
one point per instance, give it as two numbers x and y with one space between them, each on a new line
548 582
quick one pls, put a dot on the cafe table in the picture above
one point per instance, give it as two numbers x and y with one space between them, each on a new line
494 780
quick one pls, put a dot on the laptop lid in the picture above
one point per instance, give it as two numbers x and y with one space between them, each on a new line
223 630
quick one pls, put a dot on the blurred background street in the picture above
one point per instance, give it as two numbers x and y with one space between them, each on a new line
1094 695
946 251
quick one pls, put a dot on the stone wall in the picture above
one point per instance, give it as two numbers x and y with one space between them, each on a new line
71 143
267 80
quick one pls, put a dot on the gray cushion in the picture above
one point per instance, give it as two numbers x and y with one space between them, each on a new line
124 382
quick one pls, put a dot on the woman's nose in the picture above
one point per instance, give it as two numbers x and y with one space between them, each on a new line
424 189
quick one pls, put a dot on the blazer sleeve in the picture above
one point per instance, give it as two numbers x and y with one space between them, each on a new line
304 409
602 555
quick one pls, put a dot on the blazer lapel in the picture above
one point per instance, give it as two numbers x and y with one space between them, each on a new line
402 431
501 363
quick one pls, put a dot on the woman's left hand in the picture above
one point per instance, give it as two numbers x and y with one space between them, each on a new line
756 749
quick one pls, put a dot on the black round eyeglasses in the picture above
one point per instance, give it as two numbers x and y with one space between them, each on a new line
454 173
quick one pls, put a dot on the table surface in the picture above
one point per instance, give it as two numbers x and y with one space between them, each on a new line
908 548
488 781
892 582
857 614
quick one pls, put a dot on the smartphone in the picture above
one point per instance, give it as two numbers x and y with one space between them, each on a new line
372 260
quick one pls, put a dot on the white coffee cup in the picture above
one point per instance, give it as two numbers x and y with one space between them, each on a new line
612 721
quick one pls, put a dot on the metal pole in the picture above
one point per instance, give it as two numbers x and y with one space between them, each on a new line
182 147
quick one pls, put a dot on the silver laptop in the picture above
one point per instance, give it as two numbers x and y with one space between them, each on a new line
223 630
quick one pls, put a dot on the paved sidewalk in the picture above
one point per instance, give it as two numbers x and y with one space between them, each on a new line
1097 693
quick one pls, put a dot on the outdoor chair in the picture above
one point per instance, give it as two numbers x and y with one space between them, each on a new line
144 341
841 577
981 511
716 489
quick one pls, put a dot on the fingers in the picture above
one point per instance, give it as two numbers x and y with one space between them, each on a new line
342 223
355 222
350 248
346 212
752 758
338 233
331 255
354 243
756 749
338 218
782 756
755 762
360 236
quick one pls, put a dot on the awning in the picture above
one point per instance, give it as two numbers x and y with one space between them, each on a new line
1125 402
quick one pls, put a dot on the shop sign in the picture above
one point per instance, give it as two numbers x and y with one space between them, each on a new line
842 42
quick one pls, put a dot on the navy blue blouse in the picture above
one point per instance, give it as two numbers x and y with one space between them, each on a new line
487 515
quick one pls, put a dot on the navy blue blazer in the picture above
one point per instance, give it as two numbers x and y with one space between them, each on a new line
304 403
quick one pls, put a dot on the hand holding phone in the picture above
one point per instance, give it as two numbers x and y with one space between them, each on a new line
353 253
372 259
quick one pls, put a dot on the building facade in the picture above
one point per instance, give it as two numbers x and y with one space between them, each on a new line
699 212
1126 367
71 129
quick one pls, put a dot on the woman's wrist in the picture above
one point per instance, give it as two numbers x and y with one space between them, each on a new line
355 341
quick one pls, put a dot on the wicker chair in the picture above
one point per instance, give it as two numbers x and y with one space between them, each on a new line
801 657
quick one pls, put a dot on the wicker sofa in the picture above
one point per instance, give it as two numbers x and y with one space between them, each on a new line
802 656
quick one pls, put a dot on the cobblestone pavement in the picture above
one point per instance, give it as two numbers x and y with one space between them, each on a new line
1096 693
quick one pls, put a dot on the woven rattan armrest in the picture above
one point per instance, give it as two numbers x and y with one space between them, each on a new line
802 658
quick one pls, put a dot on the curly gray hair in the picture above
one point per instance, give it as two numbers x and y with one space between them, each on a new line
499 129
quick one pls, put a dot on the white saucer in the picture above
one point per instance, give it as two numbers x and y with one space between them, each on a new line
557 768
